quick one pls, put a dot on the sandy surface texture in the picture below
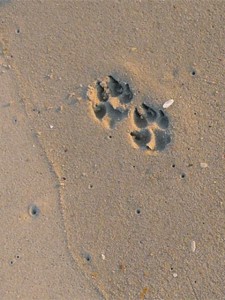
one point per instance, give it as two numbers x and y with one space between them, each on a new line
112 150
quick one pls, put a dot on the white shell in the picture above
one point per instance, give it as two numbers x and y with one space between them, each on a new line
168 103
193 246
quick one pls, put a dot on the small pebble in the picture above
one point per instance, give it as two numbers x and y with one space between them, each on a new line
168 103
51 126
203 165
175 275
103 256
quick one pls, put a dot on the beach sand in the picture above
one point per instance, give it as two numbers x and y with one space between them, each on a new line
105 192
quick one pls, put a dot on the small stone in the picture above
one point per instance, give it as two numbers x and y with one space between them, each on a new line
103 256
175 275
51 126
203 165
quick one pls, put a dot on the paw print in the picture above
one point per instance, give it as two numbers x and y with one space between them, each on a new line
150 128
109 100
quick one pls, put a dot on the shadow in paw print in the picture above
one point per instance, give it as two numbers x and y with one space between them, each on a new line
141 138
162 138
139 118
102 94
100 111
127 95
163 120
115 87
116 114
151 113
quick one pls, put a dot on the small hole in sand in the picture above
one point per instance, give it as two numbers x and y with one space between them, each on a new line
17 30
88 257
183 175
14 120
138 211
173 165
34 211
193 73
36 110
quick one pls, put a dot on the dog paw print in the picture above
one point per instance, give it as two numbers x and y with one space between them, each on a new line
150 128
109 100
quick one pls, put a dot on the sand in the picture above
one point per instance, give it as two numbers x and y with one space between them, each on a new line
107 193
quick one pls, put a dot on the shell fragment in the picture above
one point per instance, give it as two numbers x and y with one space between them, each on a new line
168 103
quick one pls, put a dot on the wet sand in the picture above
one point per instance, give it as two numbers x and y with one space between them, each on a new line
106 194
